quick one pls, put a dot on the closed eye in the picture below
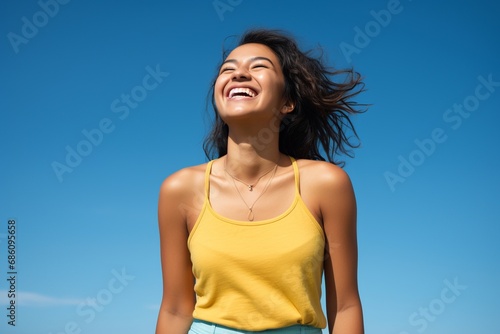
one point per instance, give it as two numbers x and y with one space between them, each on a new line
225 69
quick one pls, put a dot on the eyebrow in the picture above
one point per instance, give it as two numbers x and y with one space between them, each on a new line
251 60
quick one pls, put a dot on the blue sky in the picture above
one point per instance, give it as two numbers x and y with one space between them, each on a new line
123 85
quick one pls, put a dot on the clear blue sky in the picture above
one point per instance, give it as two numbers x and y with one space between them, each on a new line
123 85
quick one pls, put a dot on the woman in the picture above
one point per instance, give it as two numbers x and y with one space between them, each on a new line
253 230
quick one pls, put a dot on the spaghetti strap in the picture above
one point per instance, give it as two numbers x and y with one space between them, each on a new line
207 179
296 174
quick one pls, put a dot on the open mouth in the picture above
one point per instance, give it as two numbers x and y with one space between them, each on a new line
241 93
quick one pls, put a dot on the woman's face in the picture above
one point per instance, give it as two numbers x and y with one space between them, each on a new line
250 82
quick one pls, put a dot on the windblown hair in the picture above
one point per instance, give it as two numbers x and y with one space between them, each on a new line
320 120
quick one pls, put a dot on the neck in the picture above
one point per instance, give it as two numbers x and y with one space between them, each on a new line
249 159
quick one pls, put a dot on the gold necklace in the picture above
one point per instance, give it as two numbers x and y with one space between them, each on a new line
251 185
250 214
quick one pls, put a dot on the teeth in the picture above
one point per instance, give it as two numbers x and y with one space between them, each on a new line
246 91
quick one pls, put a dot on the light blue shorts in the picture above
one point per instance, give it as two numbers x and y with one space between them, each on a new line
204 327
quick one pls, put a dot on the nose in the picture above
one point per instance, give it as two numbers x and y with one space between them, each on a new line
240 73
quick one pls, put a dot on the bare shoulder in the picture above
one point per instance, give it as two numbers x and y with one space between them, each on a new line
184 181
181 196
326 189
323 175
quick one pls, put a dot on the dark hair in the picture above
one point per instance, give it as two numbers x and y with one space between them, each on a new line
320 119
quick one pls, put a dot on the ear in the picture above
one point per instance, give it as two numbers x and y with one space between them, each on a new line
287 108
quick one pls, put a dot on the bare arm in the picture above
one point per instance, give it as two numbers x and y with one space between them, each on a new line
338 210
175 315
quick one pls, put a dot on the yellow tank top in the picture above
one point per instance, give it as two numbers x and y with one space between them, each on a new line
256 275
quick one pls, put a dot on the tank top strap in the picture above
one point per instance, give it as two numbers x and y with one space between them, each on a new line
296 174
207 179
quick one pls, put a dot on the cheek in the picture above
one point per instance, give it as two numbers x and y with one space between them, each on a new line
218 92
277 88
219 85
270 82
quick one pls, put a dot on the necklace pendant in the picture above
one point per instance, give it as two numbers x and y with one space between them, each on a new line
250 215
250 187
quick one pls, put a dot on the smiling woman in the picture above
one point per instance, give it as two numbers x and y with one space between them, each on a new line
275 216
